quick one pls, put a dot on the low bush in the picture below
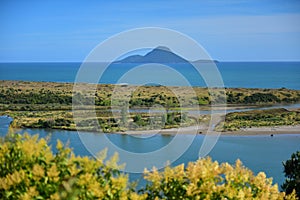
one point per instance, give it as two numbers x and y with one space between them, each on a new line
292 174
30 170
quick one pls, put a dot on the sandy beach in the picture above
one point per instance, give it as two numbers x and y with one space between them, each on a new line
267 130
204 130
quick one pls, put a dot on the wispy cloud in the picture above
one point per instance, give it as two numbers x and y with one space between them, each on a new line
262 24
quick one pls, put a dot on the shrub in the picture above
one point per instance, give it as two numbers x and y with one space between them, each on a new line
206 179
292 174
261 98
30 170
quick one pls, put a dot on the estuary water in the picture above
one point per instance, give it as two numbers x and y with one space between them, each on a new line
259 153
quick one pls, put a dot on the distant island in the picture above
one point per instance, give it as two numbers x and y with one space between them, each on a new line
160 54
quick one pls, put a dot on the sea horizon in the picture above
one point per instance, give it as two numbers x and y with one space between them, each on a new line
234 74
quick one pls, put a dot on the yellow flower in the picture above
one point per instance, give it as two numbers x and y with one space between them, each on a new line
59 145
53 173
85 179
38 171
135 196
55 196
32 192
4 184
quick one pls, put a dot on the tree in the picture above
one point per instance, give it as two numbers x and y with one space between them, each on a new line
292 174
164 119
124 113
138 120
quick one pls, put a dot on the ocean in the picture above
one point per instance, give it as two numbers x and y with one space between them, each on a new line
234 74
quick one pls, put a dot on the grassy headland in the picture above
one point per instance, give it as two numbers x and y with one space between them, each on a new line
21 95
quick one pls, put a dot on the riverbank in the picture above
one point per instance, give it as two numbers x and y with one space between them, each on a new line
63 120
200 130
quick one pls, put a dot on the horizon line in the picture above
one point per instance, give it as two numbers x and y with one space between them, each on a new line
125 63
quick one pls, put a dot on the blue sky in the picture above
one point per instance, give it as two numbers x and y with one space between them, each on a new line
234 30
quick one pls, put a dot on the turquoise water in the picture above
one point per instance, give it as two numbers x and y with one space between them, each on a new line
259 153
234 74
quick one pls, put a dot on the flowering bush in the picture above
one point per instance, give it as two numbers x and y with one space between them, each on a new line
205 179
29 170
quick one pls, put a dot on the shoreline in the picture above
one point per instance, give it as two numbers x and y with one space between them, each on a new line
191 130
199 130
266 130
203 131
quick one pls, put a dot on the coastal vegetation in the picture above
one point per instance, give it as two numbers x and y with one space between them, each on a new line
49 105
29 169
259 118
20 95
105 120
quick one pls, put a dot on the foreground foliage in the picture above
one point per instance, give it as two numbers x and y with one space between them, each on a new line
205 179
29 170
292 174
